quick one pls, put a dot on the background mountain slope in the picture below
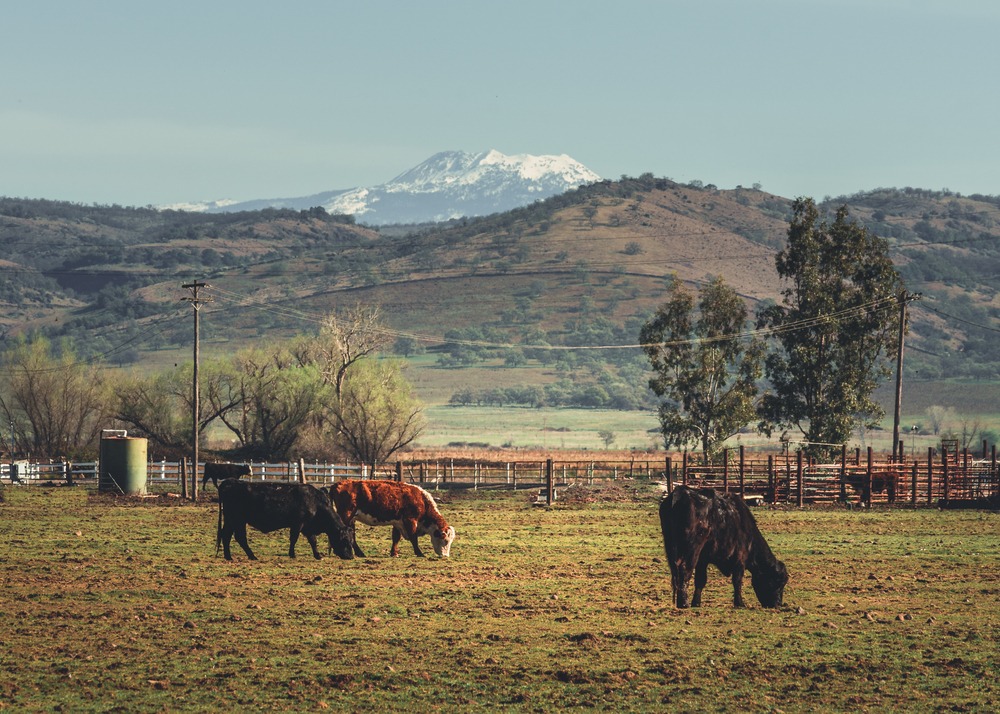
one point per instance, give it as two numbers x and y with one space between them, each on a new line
584 268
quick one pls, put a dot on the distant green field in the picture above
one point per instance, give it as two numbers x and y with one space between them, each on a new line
539 428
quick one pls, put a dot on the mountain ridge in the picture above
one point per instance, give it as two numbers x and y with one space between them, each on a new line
448 185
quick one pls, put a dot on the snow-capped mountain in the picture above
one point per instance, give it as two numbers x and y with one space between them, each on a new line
448 185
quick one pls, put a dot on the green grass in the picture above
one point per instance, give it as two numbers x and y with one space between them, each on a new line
522 427
122 605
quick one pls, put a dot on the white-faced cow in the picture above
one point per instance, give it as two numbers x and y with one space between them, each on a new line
217 471
409 509
270 507
702 528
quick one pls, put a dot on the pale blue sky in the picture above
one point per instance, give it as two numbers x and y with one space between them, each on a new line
135 102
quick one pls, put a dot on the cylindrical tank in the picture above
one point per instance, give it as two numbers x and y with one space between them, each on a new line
123 465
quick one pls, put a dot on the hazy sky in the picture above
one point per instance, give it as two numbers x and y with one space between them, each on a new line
139 102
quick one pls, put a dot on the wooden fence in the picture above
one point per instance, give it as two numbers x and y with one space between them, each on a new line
947 478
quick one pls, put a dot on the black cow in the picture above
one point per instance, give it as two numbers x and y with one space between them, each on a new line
216 472
702 527
269 507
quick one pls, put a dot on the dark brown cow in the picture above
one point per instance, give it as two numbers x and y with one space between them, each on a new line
300 507
410 510
218 471
702 527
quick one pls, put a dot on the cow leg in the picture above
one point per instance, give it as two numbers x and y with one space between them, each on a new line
225 536
312 542
700 578
411 533
354 539
738 588
676 584
681 574
293 538
396 535
241 537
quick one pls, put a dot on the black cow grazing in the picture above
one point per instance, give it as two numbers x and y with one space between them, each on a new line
269 507
216 472
701 527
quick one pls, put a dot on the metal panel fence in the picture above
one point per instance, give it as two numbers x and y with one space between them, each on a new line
946 478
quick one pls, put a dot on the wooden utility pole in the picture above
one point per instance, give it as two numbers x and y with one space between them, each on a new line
196 303
904 298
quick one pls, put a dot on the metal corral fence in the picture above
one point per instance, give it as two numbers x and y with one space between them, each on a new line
944 478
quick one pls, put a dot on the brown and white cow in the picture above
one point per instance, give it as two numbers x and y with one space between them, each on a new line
409 509
701 528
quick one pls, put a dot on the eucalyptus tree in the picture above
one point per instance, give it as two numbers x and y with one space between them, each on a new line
833 329
705 365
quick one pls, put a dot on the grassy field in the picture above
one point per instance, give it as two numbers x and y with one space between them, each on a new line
122 605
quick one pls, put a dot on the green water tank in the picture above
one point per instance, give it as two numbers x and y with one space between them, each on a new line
123 464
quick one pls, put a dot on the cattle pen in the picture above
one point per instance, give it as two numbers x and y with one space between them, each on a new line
944 478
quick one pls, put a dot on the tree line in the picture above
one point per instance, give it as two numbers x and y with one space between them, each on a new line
324 396
826 353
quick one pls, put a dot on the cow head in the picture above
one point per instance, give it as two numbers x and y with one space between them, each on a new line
341 537
441 540
769 584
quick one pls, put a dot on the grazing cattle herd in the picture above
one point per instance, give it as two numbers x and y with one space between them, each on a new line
700 527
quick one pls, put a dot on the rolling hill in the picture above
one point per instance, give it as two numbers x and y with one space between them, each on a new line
580 269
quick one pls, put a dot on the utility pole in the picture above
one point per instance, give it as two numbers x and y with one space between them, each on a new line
904 299
196 303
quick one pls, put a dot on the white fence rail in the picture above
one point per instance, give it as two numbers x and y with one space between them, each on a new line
168 472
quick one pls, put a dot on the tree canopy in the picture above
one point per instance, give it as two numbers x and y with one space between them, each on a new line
833 328
705 370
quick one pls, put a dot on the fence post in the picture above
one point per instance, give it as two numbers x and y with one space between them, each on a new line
684 468
771 480
549 490
914 496
399 471
798 477
302 470
868 480
725 470
944 462
742 468
515 475
843 473
668 469
930 474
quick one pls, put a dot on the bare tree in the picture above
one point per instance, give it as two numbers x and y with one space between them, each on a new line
159 407
345 339
274 398
377 413
939 416
56 404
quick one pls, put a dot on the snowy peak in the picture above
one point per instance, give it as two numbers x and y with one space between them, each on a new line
450 184
453 184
